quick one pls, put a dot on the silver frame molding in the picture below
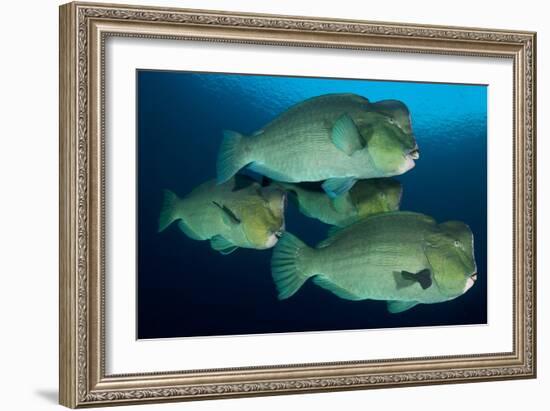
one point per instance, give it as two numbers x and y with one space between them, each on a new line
83 30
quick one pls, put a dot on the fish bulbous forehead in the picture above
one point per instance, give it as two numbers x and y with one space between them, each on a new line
459 231
389 132
367 189
397 111
391 106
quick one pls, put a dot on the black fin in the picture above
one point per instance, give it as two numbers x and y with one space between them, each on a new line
424 277
230 214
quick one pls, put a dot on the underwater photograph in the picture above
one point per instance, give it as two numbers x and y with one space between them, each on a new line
276 204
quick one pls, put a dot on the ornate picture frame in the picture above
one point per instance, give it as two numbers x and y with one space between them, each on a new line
84 29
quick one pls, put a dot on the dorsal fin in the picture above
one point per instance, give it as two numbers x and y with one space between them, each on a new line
334 230
312 103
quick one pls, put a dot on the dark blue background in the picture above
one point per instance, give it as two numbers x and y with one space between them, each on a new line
187 289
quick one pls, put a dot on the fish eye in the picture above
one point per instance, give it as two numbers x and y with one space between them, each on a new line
456 243
391 120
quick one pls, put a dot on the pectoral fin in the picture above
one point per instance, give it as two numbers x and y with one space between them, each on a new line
228 216
222 245
423 277
335 187
395 307
345 135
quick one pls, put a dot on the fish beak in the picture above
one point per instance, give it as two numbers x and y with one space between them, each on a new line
470 282
414 153
271 241
274 237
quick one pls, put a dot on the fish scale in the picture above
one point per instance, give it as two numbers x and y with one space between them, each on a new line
317 140
285 154
393 256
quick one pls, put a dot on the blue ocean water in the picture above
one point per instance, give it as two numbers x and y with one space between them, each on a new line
187 289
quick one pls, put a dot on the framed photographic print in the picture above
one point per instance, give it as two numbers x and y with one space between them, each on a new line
258 204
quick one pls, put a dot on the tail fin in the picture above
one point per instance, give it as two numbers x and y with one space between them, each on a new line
230 156
285 265
168 210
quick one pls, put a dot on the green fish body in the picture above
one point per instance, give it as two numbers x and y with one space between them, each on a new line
404 258
335 138
230 215
365 198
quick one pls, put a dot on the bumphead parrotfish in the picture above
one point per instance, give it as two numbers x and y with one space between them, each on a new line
401 257
238 213
335 138
366 198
